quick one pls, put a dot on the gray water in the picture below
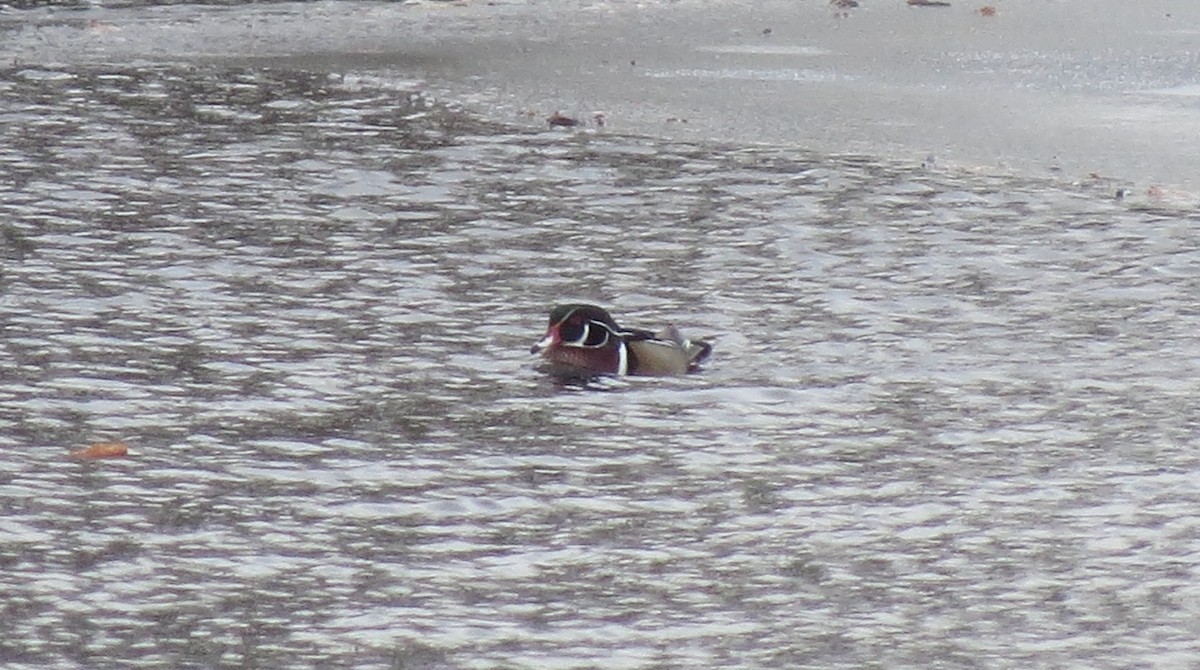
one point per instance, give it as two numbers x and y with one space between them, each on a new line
950 420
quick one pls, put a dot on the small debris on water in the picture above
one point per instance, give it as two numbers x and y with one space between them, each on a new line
560 119
100 450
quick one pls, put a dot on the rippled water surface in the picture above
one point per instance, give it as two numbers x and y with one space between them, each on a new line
950 422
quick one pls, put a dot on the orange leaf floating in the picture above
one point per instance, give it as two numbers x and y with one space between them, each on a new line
987 10
101 450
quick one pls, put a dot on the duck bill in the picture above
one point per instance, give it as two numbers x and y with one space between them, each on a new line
546 342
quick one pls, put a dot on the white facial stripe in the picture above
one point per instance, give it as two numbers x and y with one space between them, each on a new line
622 359
587 331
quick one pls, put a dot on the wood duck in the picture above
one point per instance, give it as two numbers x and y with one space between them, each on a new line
583 340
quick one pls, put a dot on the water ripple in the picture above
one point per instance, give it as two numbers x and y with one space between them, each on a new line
949 419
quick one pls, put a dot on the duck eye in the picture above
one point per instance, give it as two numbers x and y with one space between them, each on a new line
571 331
596 336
